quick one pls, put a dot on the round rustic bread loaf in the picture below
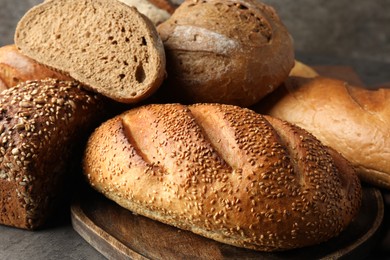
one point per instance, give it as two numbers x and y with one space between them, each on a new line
224 172
232 52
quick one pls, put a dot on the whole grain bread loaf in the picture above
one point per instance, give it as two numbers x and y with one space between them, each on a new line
107 45
353 120
230 51
43 125
224 172
16 68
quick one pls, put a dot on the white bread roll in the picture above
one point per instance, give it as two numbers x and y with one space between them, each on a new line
157 11
225 173
353 120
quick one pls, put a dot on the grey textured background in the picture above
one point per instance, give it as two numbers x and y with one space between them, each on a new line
342 28
342 32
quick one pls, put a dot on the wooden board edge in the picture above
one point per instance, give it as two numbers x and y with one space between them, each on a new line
356 250
98 238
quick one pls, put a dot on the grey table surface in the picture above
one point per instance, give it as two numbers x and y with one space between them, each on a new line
362 41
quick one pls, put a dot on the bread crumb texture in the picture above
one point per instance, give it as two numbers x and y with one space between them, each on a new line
105 44
224 172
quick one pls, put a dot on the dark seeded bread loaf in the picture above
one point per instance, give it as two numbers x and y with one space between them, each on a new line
16 68
105 44
230 51
225 173
41 125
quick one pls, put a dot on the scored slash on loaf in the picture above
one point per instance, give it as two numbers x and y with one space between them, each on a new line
224 172
107 45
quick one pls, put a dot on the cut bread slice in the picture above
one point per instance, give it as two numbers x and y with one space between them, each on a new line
105 44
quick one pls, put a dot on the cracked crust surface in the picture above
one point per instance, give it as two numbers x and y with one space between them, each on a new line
352 120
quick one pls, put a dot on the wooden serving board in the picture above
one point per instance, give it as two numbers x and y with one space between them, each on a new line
119 234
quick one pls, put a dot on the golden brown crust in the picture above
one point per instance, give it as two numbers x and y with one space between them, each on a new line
223 172
41 124
16 68
232 52
352 120
302 70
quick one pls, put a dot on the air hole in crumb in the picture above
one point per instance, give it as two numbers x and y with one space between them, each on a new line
143 41
114 43
121 76
125 62
123 29
110 38
135 58
87 34
58 36
140 74
83 50
127 39
242 7
196 37
133 94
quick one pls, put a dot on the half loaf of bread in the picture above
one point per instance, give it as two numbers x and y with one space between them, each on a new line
41 124
352 120
224 172
105 44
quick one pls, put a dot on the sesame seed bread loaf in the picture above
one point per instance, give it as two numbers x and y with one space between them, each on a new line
16 68
224 172
157 11
105 44
230 51
352 120
42 126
